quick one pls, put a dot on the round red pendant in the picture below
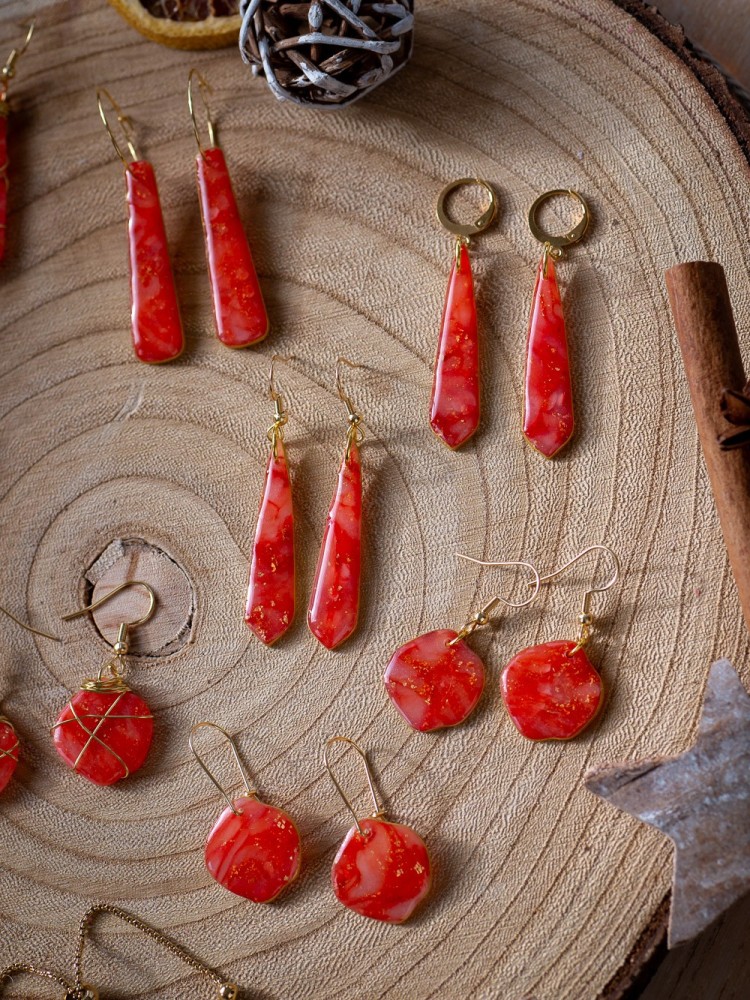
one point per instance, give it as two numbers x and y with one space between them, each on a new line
383 873
433 684
9 749
104 735
254 852
549 694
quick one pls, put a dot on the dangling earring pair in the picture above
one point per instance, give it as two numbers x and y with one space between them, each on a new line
334 604
239 310
552 691
548 397
6 75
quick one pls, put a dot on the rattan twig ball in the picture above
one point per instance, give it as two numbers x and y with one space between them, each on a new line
326 53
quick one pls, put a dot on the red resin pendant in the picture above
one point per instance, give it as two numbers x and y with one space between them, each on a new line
240 312
3 176
157 327
548 394
254 852
105 734
551 694
9 751
270 596
454 407
334 604
433 684
382 873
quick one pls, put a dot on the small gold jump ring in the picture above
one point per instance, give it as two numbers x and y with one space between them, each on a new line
467 228
569 238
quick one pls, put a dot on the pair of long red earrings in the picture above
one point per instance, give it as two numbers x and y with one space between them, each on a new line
552 691
334 605
548 394
6 75
381 870
239 311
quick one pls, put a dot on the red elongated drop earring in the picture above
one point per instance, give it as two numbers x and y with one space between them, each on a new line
382 869
334 603
455 405
269 609
436 680
105 730
552 691
6 75
156 323
253 849
548 394
239 309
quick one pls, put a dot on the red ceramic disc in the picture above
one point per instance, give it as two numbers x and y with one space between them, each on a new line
384 874
549 694
9 749
104 735
432 684
255 852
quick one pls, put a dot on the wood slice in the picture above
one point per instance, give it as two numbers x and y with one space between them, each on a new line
540 889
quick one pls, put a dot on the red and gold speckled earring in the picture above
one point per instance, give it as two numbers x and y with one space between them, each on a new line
239 310
156 322
253 849
455 402
382 869
6 75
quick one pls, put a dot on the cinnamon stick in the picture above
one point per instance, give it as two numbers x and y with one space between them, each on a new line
706 332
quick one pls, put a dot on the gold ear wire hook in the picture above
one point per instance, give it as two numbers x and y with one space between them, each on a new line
280 417
481 617
230 740
585 617
204 87
28 628
123 121
9 69
121 645
377 808
355 434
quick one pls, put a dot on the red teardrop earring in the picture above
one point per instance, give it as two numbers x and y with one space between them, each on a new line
436 680
548 394
105 730
382 870
253 849
6 75
239 309
269 608
156 323
334 603
455 402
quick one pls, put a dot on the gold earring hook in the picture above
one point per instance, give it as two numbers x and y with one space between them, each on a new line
585 618
280 417
354 434
482 618
213 725
28 628
125 123
377 808
9 69
204 88
553 245
103 600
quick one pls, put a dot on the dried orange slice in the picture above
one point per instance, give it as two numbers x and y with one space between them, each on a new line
184 24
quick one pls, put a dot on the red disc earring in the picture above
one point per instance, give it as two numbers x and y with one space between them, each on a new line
436 680
239 310
552 691
253 849
548 393
104 732
455 406
6 75
334 603
382 869
156 323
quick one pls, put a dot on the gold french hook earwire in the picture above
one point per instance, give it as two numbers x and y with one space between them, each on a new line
204 88
280 416
377 808
249 792
354 434
125 123
585 617
482 617
9 69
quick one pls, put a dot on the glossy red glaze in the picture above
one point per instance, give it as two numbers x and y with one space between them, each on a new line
104 735
3 178
240 312
454 407
334 604
548 394
157 327
9 751
270 596
549 694
432 684
383 874
255 854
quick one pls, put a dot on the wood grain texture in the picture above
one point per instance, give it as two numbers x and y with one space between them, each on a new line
540 890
